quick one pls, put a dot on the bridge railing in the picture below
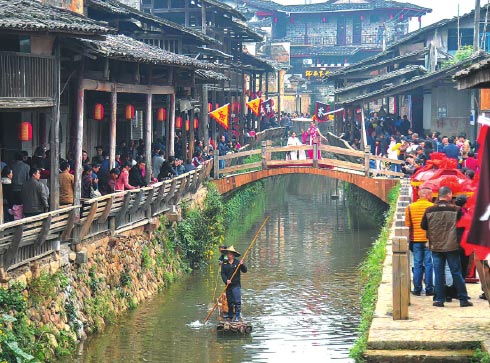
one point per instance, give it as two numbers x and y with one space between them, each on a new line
318 156
33 238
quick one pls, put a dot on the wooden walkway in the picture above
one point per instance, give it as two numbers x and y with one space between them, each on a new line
35 237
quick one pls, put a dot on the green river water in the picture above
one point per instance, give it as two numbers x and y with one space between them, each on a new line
301 292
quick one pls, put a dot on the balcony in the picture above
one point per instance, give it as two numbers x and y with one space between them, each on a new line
26 80
364 40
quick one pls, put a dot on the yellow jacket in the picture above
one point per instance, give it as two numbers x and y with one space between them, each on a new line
413 217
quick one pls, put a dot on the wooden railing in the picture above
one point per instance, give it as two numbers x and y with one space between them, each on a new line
330 157
35 237
26 75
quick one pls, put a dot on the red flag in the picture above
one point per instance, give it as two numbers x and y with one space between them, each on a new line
222 115
268 107
321 110
478 236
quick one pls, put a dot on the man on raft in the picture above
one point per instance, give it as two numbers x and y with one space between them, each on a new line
233 292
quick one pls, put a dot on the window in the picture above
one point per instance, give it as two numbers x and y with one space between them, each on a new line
159 4
465 37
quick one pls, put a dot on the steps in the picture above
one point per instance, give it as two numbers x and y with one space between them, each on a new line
417 356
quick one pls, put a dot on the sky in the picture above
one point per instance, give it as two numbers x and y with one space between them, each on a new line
441 9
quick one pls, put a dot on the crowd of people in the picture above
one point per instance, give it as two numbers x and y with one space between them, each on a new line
393 137
25 179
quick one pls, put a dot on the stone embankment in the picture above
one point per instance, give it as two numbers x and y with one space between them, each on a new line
424 333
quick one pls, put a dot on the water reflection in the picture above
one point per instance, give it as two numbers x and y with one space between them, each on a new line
300 292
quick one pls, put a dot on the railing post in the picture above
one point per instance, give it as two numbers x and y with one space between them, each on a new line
264 154
315 155
367 158
401 292
216 163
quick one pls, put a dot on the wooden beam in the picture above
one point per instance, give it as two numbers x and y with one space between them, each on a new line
103 86
43 235
70 223
122 212
31 102
90 218
9 256
105 215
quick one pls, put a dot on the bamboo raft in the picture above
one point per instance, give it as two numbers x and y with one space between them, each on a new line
239 327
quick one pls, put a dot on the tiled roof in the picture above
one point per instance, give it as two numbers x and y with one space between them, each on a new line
225 8
415 82
474 68
336 5
208 75
128 49
32 16
117 7
324 50
408 71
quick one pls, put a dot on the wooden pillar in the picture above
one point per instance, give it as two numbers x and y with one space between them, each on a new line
260 81
279 92
214 135
204 121
148 136
54 179
266 85
79 138
191 135
184 134
203 18
1 201
112 129
171 134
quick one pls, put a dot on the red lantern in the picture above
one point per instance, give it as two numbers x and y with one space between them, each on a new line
25 131
391 16
401 16
210 107
129 112
196 123
187 125
236 107
217 106
362 17
178 122
324 19
162 114
98 112
291 20
275 20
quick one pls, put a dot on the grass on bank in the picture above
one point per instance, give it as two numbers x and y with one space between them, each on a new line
370 272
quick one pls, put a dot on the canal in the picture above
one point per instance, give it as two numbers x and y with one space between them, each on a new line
301 292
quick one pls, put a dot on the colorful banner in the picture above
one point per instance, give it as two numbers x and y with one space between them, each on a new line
254 106
478 237
222 115
268 107
321 111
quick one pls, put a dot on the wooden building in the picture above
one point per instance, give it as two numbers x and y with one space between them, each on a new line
413 77
31 93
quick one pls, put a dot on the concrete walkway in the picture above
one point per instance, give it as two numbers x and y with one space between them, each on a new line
430 334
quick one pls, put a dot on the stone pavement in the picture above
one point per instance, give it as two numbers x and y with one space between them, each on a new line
431 334
428 327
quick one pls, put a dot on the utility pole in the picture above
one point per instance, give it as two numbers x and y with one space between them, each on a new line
474 92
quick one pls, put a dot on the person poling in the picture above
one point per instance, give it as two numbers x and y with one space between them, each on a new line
230 273
232 281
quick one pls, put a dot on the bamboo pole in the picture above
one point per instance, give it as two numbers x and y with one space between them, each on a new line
236 270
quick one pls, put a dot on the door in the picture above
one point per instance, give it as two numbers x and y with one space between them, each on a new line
341 31
356 30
